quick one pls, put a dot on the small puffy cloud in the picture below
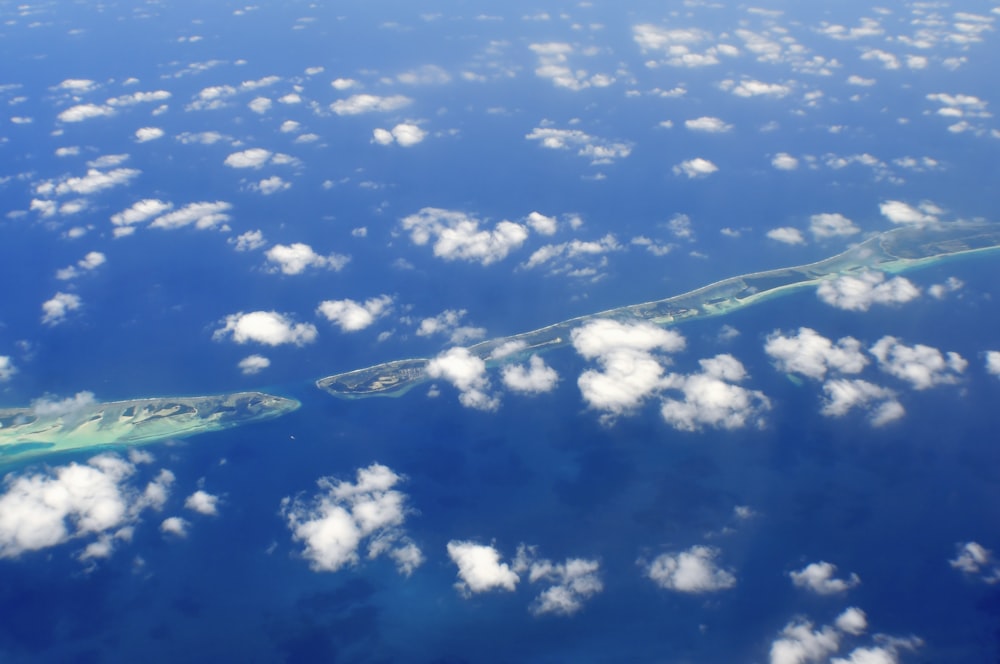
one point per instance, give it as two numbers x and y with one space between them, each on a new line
55 310
541 224
83 112
424 75
271 185
174 525
784 162
265 327
852 621
843 395
457 235
448 323
202 502
94 181
253 364
76 501
939 291
139 98
708 125
367 103
754 88
993 362
711 397
351 316
799 643
248 241
786 235
78 85
468 374
203 215
252 158
827 225
7 368
693 571
535 378
69 410
859 293
598 150
565 257
899 212
338 521
571 582
695 168
91 261
819 578
921 366
295 258
344 83
145 134
975 560
260 105
480 568
405 134
811 354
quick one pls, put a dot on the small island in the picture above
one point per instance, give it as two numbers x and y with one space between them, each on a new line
27 433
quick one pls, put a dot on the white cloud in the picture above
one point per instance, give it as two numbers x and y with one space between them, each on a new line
712 399
565 254
351 316
382 136
253 364
819 578
265 327
335 523
993 362
248 241
480 569
888 60
457 235
252 158
139 98
140 211
786 235
468 374
827 225
541 224
901 213
940 291
811 354
405 134
535 378
54 311
852 621
203 138
447 322
295 258
973 559
91 183
174 525
260 105
921 366
843 395
367 103
860 81
91 261
202 214
754 88
859 293
344 83
708 125
800 644
629 372
784 162
7 368
202 502
145 134
83 112
572 582
424 75
95 499
271 185
78 85
680 47
693 571
264 82
695 168
598 150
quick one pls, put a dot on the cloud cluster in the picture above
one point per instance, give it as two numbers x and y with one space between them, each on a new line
82 112
92 261
405 134
809 353
265 327
899 212
468 374
55 310
844 395
576 258
597 150
343 517
367 103
457 235
695 168
97 499
535 378
919 365
7 368
480 568
680 47
203 214
800 642
859 292
448 323
295 258
94 181
351 316
827 225
693 571
712 398
819 578
146 134
976 561
553 64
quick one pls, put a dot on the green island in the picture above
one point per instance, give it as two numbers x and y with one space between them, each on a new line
32 432
893 251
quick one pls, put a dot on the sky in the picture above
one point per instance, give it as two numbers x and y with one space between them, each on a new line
201 200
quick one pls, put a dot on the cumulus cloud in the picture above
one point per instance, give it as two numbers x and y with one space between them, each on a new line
680 47
711 397
799 643
367 103
565 257
975 560
754 88
55 310
993 362
819 578
859 293
448 323
480 568
695 168
337 522
784 162
468 374
98 499
919 365
203 215
271 185
146 134
174 525
139 98
202 502
265 327
93 182
571 582
351 316
295 258
457 235
809 353
260 105
629 372
248 241
535 378
92 261
843 395
542 224
828 225
693 571
786 235
405 134
708 125
598 150
251 158
7 368
899 212
253 364
82 112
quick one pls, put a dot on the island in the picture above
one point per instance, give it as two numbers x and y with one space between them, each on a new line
32 432
893 251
